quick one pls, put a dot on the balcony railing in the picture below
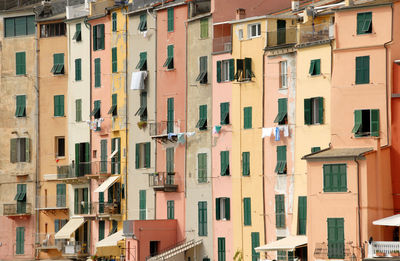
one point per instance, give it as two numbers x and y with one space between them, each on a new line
383 248
104 167
85 208
282 37
17 209
165 130
52 202
318 32
47 241
73 170
163 181
75 248
107 208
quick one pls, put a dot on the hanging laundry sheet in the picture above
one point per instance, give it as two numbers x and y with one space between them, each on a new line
137 80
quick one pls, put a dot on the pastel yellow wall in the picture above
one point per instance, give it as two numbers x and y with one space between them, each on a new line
249 140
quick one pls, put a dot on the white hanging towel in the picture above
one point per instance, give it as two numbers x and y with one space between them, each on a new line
266 132
137 80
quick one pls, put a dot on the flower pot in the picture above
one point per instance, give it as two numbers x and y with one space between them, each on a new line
380 254
395 253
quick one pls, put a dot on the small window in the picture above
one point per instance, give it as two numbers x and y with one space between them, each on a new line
314 111
96 113
315 67
78 69
362 70
240 34
78 34
284 75
20 63
224 109
170 209
243 70
169 63
113 110
58 63
315 149
281 118
280 211
202 77
335 177
58 105
114 22
281 165
20 110
60 147
143 23
142 64
114 59
19 150
204 28
366 123
170 13
142 111
98 37
224 158
253 30
143 154
50 30
202 123
364 23
222 209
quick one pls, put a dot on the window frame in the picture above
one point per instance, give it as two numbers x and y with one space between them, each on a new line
169 62
58 146
203 68
248 117
142 64
247 211
50 30
20 106
222 208
336 245
114 21
250 30
20 150
374 123
330 175
78 33
114 60
170 209
315 67
314 111
143 155
364 19
283 84
142 27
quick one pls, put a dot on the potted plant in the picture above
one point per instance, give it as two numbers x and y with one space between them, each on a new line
142 124
380 253
395 253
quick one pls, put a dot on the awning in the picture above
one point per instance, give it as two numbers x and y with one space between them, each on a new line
393 221
66 231
289 243
106 184
176 250
111 240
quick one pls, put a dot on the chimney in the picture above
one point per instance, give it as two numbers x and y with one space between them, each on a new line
295 5
349 2
240 13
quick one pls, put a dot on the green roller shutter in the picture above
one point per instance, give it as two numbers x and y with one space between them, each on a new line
97 72
114 59
142 204
247 111
219 71
374 123
147 155
247 211
245 163
255 242
302 215
20 62
170 13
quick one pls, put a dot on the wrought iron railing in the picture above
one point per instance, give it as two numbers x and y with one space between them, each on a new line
52 202
318 32
74 248
282 37
19 208
164 127
84 168
159 179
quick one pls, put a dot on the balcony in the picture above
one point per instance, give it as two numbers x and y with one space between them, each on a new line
103 169
222 41
163 181
48 242
282 38
319 33
85 209
52 204
165 131
379 249
74 173
75 250
17 209
108 209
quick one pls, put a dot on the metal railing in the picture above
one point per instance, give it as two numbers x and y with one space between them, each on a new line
47 241
162 180
85 208
318 32
107 208
74 248
52 202
384 248
282 37
20 208
222 44
73 170
105 167
164 127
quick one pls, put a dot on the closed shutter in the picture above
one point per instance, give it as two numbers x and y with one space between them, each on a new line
97 72
246 163
87 158
280 211
335 238
78 69
101 36
202 167
217 208
13 150
224 158
170 209
374 123
218 71
327 178
101 202
170 13
95 38
137 156
78 110
170 115
221 249
247 211
227 208
224 109
20 241
103 156
307 111
255 242
20 59
61 196
77 160
9 27
231 69
20 26
27 150
147 154
114 59
247 68
142 204
202 218
101 229
170 160
76 201
204 28
342 177
318 67
114 22
302 215
362 70
119 155
247 111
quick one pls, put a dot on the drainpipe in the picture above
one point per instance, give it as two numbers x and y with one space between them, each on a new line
126 114
359 206
186 103
263 146
155 105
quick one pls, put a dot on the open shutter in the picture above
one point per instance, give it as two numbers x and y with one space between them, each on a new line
357 121
95 37
217 208
342 177
77 159
101 27
218 71
231 69
86 201
227 208
312 67
76 201
366 69
320 110
327 178
318 67
28 149
307 111
147 155
137 156
247 68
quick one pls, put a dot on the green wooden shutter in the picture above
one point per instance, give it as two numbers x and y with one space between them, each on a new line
320 101
170 13
302 215
255 242
20 241
78 69
114 59
119 155
204 28
227 208
170 160
245 163
27 150
87 157
13 150
20 110
61 104
20 63
137 156
366 69
170 115
343 177
76 201
86 201
147 155
95 38
170 209
218 71
307 111
202 167
221 249
231 69
357 121
142 204
317 69
77 159
101 202
362 70
56 105
101 229
9 27
114 22
101 27
78 110
247 211
247 111
103 156
217 208
224 110
97 72
327 178
335 238
202 218
224 158
360 23
315 149
280 211
247 68
61 197
374 123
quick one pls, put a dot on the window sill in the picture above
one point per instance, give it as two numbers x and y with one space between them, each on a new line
283 88
336 192
315 75
21 75
20 117
60 158
204 38
97 86
169 70
59 74
252 37
62 116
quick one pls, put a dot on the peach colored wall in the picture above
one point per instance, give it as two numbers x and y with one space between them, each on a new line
222 185
172 84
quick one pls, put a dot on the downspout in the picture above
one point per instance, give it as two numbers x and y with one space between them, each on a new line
155 105
126 115
359 206
186 102
263 147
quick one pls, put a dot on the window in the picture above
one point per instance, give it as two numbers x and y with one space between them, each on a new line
17 26
61 195
221 249
20 241
114 227
78 110
253 30
366 123
20 197
315 149
102 226
81 201
247 211
362 70
281 118
97 72
116 156
142 111
114 59
78 69
247 121
284 255
280 211
314 111
281 31
170 209
170 13
114 22
255 242
336 238
143 23
113 110
202 211
302 215
58 64
243 70
20 63
169 63
142 204
170 115
60 147
335 177
223 208
98 37
281 165
202 167
103 156
50 30
224 155
364 23
78 33
284 75
315 67
20 110
19 150
202 122
170 160
224 109
96 113
82 159
58 224
225 70
245 163
142 159
240 34
142 65
203 28
58 105
202 77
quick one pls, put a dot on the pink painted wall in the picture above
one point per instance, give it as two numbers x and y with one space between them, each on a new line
221 185
170 84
